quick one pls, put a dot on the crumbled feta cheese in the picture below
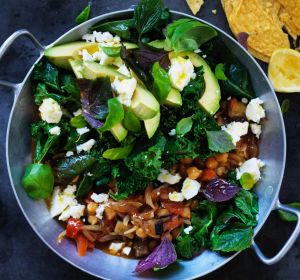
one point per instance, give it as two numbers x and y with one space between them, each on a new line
100 198
62 199
236 130
77 113
176 196
89 174
116 247
244 100
251 166
214 11
197 51
124 89
100 211
190 188
204 56
254 111
166 177
181 72
50 111
55 130
229 98
75 211
172 132
256 129
82 130
69 153
188 230
86 56
105 59
87 146
105 39
126 250
124 70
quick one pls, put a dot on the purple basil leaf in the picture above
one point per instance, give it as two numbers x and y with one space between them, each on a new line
94 96
219 190
242 38
162 256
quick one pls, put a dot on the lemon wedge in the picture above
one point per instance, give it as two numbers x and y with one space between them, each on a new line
284 70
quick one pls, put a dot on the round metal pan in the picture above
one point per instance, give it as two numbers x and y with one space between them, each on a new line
97 263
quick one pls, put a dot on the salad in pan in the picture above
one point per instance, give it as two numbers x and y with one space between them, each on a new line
146 140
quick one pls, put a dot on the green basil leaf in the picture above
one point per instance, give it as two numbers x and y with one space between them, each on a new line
247 181
78 121
186 246
219 141
38 181
285 105
118 153
111 51
161 82
219 72
84 15
115 114
287 216
184 126
131 121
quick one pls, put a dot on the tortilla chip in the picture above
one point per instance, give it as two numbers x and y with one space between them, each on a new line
289 23
272 7
195 5
292 8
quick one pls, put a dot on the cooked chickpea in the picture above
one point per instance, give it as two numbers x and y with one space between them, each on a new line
193 172
211 163
222 158
92 220
221 170
186 161
92 207
140 233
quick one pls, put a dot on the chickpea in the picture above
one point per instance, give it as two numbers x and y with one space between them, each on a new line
186 161
221 170
92 207
211 163
193 172
92 220
222 158
140 233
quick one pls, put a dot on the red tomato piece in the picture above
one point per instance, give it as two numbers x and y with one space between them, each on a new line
73 227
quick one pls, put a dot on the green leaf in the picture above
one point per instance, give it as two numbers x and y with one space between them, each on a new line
247 203
219 141
38 181
219 72
285 105
69 84
84 15
247 181
184 126
161 82
186 246
131 121
78 122
84 186
41 92
111 51
118 153
287 216
115 114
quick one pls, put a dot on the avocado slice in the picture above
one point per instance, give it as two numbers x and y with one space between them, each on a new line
92 70
174 98
77 67
151 125
131 121
144 104
210 100
60 55
119 132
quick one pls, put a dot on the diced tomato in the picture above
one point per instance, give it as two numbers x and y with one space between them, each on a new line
73 227
175 222
82 244
173 207
208 174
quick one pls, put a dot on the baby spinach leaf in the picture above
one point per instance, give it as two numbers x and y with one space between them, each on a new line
287 216
84 15
38 180
84 186
111 51
219 72
219 141
184 126
118 153
161 82
115 114
131 121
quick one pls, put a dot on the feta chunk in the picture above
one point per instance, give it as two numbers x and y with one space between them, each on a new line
86 56
254 111
124 70
166 177
100 211
190 188
104 59
251 166
82 130
244 100
181 72
100 198
87 146
126 250
69 153
236 130
77 113
116 247
55 130
188 229
256 129
172 132
50 111
105 39
75 211
124 89
176 196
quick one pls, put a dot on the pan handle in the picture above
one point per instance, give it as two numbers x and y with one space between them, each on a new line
6 45
287 245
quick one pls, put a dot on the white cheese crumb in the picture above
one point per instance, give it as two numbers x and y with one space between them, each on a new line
55 130
190 188
172 132
176 196
254 111
197 51
256 129
236 130
105 39
124 89
229 98
244 100
214 11
166 177
69 153
87 146
77 113
204 56
86 56
82 130
75 211
89 174
100 211
50 111
124 70
100 198
251 166
116 247
188 229
126 250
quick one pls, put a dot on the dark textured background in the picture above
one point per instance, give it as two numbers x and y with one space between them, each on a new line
22 253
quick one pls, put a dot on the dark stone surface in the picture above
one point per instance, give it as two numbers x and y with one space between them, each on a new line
22 253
